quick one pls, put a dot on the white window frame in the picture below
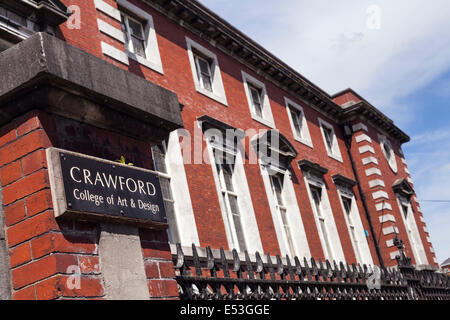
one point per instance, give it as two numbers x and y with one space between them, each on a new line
153 58
412 231
305 136
247 214
184 214
267 117
335 152
391 159
293 214
218 91
332 234
354 220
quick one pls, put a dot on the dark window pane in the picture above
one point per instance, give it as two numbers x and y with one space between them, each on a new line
159 161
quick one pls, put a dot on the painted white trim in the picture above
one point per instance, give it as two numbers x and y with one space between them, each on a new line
306 137
373 171
294 217
419 209
364 149
376 183
218 92
246 211
153 60
412 232
428 239
390 243
267 118
114 53
407 170
415 199
383 206
369 160
110 30
409 180
360 126
386 218
403 160
389 230
384 141
335 152
425 229
432 249
186 225
363 247
363 137
380 194
107 9
393 254
337 253
421 218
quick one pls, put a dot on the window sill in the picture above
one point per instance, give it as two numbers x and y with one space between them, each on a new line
265 122
304 141
211 95
336 157
147 63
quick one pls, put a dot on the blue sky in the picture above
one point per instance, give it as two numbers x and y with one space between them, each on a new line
396 54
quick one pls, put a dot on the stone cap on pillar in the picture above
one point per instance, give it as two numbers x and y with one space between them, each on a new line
46 73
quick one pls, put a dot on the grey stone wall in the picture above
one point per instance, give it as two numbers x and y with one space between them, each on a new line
5 279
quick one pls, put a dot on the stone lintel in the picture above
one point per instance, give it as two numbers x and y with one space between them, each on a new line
46 73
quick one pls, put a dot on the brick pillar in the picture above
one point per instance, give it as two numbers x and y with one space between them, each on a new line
45 252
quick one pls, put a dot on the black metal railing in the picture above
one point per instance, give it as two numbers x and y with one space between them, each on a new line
220 275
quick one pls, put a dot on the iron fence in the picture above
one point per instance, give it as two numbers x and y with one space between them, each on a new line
226 276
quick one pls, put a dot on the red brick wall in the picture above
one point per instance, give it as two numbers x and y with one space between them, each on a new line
389 177
41 248
178 78
37 240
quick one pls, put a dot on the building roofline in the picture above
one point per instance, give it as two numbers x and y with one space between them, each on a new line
209 26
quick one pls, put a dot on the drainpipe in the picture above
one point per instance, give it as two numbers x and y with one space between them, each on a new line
348 134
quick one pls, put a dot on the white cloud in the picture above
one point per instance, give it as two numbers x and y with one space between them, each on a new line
428 158
329 42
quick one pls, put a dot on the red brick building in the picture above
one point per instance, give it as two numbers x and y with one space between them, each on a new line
174 88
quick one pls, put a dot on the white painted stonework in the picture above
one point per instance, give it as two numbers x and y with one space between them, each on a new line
380 194
376 183
386 218
383 206
110 30
389 230
373 171
368 160
114 53
363 137
365 149
360 126
107 9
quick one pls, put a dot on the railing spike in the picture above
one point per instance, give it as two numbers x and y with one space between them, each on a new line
224 262
270 267
249 266
289 267
259 265
314 270
280 267
180 257
236 261
197 265
329 269
298 268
